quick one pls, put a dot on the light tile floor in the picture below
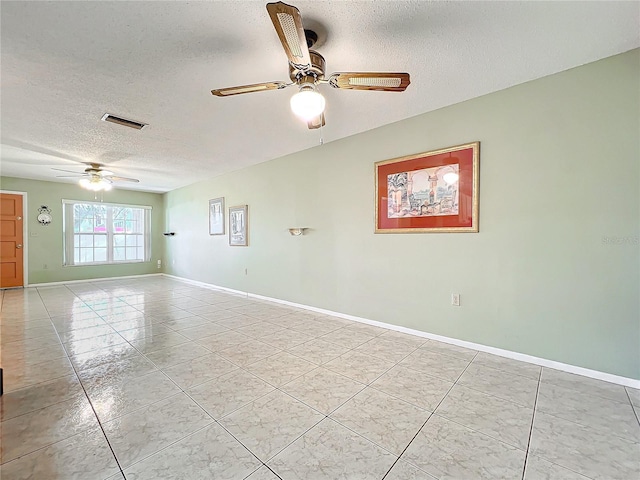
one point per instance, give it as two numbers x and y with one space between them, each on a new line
153 378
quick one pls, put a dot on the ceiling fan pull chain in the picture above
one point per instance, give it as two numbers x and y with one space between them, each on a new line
321 135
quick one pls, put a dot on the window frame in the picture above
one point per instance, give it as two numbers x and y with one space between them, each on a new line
68 234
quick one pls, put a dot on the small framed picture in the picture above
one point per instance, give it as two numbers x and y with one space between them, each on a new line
238 226
216 216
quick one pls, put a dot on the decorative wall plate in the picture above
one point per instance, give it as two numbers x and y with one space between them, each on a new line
44 217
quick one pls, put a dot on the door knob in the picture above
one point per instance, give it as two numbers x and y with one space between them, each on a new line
19 245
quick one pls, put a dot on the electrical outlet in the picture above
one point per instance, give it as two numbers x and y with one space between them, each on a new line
159 263
455 299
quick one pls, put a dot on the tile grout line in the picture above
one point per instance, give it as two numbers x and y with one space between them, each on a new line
425 422
533 417
633 409
220 424
591 427
510 372
87 395
142 459
278 388
40 408
531 431
214 420
279 451
475 389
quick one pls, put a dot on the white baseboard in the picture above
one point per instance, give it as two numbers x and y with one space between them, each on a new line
208 286
543 362
89 280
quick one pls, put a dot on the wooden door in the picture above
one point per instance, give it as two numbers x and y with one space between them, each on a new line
11 241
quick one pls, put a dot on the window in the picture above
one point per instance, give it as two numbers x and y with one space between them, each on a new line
97 233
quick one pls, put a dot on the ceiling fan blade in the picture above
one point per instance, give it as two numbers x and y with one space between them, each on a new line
256 87
386 82
115 178
68 171
316 122
288 24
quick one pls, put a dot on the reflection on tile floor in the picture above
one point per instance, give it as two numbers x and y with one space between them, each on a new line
153 378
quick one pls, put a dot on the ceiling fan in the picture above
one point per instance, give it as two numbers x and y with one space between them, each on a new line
95 178
307 70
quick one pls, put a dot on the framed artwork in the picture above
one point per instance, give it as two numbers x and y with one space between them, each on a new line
238 218
216 216
429 192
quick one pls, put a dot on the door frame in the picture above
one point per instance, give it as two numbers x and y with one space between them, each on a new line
25 237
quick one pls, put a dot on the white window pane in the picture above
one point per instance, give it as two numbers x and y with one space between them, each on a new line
140 253
86 255
118 254
131 253
100 241
86 240
76 241
86 226
101 222
100 255
119 240
76 255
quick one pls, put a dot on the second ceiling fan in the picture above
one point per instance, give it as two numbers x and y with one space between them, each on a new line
95 177
307 70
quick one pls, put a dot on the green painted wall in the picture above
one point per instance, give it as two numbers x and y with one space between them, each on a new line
46 247
554 271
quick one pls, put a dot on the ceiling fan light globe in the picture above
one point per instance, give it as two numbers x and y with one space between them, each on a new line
95 184
307 104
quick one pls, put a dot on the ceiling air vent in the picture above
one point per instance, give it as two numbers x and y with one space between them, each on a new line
107 117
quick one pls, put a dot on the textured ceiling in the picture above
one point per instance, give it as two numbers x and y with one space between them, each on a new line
65 64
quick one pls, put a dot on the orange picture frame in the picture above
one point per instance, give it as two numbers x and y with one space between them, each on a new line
430 192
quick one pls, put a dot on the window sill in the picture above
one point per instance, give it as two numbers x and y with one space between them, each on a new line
101 264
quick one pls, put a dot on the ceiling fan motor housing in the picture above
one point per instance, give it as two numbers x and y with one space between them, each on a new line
316 71
311 36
